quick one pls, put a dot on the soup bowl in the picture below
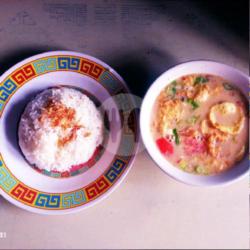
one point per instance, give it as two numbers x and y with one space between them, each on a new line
229 73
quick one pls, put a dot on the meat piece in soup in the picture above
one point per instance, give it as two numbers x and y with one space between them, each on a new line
200 124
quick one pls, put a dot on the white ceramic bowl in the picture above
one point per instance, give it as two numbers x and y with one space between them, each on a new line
207 67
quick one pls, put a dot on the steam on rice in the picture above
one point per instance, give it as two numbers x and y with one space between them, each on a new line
60 128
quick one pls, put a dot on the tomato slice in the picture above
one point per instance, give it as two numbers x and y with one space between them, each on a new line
165 146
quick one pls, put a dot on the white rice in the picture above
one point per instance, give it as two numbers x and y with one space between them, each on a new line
39 140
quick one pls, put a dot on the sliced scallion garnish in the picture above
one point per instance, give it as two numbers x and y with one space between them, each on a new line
200 79
176 136
194 104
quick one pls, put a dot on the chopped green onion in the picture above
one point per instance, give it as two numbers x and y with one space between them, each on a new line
171 89
227 86
199 170
200 79
193 119
176 136
174 90
183 164
194 104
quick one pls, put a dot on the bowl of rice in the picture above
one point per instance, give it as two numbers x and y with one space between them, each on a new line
68 129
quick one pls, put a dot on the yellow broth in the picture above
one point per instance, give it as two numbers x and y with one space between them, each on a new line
200 124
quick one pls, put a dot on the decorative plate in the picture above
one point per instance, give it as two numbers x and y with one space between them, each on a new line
59 193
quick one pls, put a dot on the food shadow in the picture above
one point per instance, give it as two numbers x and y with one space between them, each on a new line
12 119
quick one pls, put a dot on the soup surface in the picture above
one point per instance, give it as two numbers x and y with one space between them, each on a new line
200 124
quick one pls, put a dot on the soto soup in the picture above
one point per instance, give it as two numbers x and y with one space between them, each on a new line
200 124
